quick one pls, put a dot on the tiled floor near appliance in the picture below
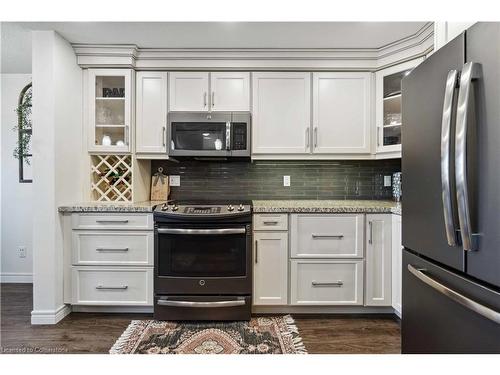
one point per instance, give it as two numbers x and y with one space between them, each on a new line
96 333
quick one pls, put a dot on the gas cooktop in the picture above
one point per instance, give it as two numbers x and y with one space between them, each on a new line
209 208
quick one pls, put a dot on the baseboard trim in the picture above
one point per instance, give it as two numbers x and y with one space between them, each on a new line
15 277
113 309
321 310
50 316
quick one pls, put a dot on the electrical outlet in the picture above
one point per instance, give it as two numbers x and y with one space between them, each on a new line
286 180
22 251
387 181
174 180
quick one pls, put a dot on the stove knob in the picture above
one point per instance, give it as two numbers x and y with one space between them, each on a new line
175 208
230 208
240 207
164 207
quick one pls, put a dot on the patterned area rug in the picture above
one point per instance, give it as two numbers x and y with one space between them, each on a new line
263 335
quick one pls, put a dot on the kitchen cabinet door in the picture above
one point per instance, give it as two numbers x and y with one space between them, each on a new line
270 268
341 112
189 91
151 112
397 253
109 104
378 260
230 91
281 113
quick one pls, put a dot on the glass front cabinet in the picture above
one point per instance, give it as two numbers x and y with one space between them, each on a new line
109 110
388 108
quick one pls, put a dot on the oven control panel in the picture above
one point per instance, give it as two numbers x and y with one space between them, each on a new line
173 209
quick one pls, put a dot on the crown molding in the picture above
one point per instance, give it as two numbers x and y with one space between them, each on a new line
371 59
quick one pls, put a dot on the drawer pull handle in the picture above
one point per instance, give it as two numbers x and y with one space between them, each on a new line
337 284
107 221
337 236
102 287
270 222
233 303
111 249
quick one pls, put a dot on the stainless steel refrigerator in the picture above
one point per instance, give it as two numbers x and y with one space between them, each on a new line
451 202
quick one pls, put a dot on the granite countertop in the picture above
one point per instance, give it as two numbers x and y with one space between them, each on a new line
259 206
326 206
146 206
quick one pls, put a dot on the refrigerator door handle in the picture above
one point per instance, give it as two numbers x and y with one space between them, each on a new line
470 72
455 296
446 139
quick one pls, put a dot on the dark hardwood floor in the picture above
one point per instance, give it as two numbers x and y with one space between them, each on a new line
96 333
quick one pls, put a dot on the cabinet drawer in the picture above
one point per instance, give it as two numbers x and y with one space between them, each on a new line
138 221
270 222
112 248
112 286
326 282
326 236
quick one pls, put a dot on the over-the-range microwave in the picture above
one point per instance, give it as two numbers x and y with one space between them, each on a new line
205 135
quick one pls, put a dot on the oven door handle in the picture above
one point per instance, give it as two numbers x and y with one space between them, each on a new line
232 303
219 232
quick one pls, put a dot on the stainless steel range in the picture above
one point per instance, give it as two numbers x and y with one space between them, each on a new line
203 261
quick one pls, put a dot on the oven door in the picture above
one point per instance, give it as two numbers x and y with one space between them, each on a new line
203 259
199 134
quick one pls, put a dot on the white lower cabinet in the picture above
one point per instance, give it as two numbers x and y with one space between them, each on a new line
397 254
112 286
270 268
332 282
378 260
111 259
326 235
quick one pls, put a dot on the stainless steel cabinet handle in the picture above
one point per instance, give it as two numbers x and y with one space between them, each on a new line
370 239
470 72
164 136
102 287
233 303
339 236
451 83
205 99
127 135
455 296
228 135
213 98
256 251
335 283
221 231
308 140
111 249
316 137
270 222
108 221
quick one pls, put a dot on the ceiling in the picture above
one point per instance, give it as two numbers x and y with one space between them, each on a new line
16 38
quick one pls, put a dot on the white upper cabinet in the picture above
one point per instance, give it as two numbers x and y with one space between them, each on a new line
205 92
378 281
189 91
109 106
230 91
341 112
151 112
388 100
281 113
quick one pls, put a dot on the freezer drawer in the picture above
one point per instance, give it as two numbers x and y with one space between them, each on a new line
446 313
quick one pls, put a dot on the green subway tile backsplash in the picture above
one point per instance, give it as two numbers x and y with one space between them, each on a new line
363 179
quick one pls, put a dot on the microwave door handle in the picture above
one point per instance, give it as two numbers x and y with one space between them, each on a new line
471 71
446 139
228 135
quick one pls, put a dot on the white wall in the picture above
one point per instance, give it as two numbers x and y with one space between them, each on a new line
57 165
16 199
